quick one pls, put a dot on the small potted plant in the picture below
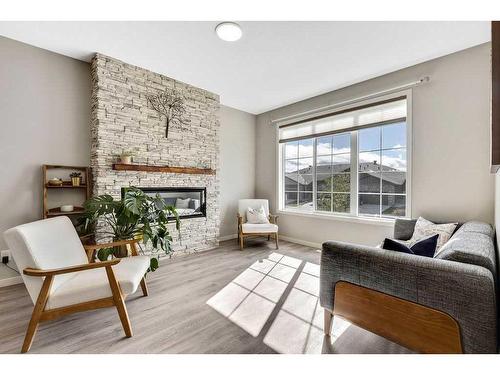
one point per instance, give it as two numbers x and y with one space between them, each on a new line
126 157
75 178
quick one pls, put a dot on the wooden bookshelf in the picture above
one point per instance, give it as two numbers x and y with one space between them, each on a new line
83 188
57 211
66 185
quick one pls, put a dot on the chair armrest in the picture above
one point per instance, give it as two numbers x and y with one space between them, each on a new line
273 218
109 244
70 269
464 291
240 219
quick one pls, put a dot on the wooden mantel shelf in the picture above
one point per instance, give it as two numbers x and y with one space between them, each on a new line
154 168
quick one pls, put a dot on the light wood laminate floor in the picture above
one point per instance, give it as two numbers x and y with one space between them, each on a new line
259 300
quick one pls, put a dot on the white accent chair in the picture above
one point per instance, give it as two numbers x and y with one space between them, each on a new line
61 278
247 229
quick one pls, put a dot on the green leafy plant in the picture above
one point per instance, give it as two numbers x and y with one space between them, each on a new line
136 215
75 174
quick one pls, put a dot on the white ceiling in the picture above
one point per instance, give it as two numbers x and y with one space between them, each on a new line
274 64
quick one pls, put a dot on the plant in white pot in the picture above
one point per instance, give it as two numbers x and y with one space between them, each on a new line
126 157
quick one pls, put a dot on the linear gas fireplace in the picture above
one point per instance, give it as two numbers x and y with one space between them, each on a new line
188 201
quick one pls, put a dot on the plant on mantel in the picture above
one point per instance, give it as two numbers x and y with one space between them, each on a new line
136 215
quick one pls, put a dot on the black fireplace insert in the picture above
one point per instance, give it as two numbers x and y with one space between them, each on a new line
189 202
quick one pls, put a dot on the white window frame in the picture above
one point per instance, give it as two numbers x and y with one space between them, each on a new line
351 217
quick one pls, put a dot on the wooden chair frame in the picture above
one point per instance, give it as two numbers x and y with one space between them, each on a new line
414 326
273 219
41 314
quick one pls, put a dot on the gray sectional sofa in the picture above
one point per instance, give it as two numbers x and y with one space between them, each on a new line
460 280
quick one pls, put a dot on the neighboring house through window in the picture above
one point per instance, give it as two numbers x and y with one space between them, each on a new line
351 162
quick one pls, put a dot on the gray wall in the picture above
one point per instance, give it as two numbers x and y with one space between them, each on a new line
237 164
45 115
45 112
450 179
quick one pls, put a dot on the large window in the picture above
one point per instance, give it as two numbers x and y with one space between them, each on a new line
359 169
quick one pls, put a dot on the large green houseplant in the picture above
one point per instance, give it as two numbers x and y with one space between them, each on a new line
136 215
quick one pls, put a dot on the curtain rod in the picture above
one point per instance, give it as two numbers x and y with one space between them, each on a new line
354 100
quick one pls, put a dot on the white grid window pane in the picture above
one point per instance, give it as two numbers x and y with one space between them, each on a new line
318 173
382 170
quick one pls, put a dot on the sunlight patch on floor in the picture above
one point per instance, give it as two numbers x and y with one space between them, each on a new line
250 299
298 327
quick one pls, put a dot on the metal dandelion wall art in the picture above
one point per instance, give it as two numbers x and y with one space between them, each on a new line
169 104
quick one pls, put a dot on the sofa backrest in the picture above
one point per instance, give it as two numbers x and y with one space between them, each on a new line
403 229
471 243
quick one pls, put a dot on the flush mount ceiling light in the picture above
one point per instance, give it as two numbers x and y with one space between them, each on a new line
228 31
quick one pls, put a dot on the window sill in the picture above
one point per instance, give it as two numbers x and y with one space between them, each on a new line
385 222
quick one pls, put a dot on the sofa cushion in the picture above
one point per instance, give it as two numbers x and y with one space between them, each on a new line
259 228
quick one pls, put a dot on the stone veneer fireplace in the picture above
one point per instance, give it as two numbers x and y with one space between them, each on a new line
122 120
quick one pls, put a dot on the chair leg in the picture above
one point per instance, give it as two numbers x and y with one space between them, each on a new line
144 287
241 241
268 237
37 313
328 319
276 239
119 301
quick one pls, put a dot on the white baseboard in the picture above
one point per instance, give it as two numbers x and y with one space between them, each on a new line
11 281
301 242
285 238
227 238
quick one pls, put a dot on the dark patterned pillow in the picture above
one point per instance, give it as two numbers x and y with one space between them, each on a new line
425 247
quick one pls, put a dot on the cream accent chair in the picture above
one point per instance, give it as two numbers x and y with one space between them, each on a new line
60 278
246 229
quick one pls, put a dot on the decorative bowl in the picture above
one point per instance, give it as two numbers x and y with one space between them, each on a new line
55 181
67 208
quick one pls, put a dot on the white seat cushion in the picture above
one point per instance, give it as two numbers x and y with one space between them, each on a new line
93 284
259 228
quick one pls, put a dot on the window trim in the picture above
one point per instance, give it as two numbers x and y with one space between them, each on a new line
355 217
